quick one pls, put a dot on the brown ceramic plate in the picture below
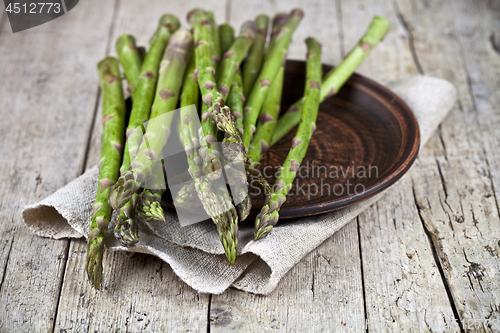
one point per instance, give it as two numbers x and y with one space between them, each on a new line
366 139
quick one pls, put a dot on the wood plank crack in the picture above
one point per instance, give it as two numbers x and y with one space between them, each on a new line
431 237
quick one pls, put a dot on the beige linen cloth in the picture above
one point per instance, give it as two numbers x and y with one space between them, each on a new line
195 253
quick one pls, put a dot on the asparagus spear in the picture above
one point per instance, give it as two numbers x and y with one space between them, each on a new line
269 214
253 63
205 73
235 101
226 36
167 21
335 79
172 68
271 107
216 52
149 207
279 21
130 58
186 196
145 86
213 105
216 202
223 116
113 118
126 227
233 58
277 55
187 129
267 119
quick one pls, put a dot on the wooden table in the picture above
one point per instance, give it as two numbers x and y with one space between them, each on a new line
424 258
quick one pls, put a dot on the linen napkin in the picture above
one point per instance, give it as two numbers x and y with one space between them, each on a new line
194 252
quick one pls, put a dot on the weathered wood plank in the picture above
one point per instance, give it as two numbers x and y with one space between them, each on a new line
321 293
48 97
403 286
458 189
324 291
142 292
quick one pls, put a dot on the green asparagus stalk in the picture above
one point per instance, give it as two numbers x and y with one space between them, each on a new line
126 226
335 79
187 130
226 37
168 87
267 119
277 55
236 100
113 118
149 208
213 99
233 58
217 202
167 22
253 63
205 73
130 58
216 52
231 61
279 21
269 214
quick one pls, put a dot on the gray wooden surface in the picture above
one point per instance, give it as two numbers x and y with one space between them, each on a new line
424 258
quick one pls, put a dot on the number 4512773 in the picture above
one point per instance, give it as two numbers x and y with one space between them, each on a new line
34 8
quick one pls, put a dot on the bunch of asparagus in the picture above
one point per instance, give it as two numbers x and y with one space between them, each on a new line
240 82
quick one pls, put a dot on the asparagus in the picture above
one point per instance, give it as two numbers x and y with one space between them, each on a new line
186 196
145 86
267 119
168 22
277 55
130 58
113 118
335 79
214 106
168 87
235 101
226 37
279 21
216 202
216 52
149 208
205 73
269 214
187 130
126 226
233 58
253 63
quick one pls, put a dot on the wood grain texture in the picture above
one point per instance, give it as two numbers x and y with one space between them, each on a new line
321 293
457 192
403 286
49 92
